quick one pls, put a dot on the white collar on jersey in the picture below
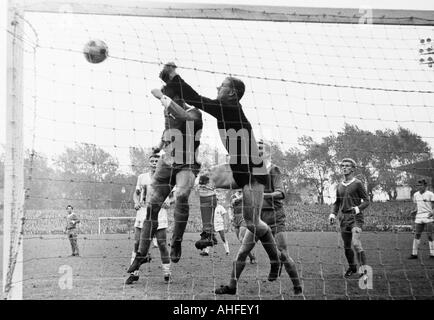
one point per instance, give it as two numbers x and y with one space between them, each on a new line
349 182
189 109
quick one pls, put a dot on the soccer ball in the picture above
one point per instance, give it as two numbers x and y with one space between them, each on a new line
95 51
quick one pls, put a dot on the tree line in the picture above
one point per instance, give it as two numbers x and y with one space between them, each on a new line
89 177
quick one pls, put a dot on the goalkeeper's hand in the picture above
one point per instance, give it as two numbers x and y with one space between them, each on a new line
332 218
137 206
168 72
157 93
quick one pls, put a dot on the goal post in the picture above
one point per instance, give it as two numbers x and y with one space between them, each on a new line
14 161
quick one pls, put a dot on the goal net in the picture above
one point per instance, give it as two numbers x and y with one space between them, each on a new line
321 84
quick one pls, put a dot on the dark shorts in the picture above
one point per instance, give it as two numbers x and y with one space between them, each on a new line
275 219
351 220
244 174
166 174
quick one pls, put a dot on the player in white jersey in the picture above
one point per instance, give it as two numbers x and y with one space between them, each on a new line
219 224
143 189
424 200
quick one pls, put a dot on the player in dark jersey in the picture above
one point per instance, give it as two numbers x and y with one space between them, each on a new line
245 170
178 166
351 200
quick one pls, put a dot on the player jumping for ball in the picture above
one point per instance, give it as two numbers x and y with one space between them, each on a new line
245 170
272 213
351 200
140 196
424 201
178 166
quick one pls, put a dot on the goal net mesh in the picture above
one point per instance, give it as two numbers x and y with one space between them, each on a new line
354 89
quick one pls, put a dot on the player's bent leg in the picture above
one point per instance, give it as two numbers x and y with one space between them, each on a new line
288 262
357 245
160 191
184 182
238 264
238 233
253 198
241 232
150 224
165 259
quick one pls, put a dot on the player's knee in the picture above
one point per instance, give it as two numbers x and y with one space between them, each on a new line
417 236
357 246
242 255
250 225
161 243
182 196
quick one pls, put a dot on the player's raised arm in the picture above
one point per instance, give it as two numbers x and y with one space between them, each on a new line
174 109
176 84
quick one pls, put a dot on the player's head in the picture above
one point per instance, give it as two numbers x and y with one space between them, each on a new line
348 166
69 208
264 149
170 92
421 185
153 160
203 179
231 88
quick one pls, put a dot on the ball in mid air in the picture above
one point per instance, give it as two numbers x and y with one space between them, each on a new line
95 51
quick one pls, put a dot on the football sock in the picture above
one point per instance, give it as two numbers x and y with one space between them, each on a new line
166 268
431 248
415 246
226 245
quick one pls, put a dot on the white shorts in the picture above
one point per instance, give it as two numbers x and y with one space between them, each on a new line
219 225
141 216
423 220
